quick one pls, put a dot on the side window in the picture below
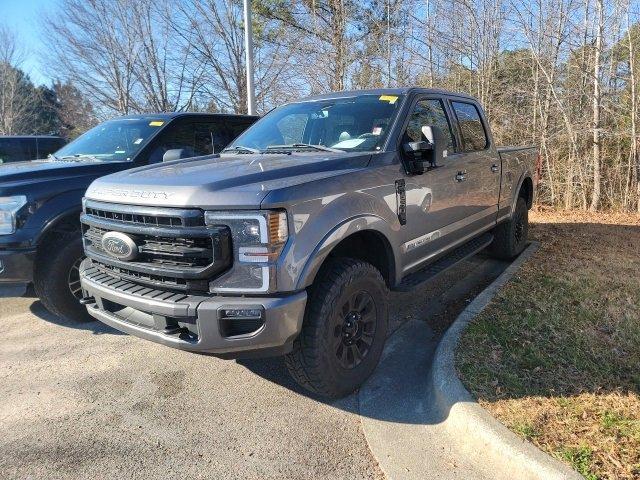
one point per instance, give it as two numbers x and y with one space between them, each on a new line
429 112
237 128
234 129
48 145
474 136
16 150
211 137
177 135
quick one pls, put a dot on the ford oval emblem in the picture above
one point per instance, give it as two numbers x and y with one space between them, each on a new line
119 246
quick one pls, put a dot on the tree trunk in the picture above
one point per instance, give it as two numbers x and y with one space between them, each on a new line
597 150
635 161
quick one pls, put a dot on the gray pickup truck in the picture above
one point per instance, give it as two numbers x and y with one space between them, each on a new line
289 242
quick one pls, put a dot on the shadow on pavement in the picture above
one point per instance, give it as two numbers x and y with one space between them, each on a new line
405 364
98 328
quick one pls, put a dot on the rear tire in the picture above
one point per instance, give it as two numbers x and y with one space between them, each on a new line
57 278
510 238
344 329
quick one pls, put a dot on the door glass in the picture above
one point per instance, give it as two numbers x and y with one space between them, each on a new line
48 145
429 112
181 135
474 136
14 150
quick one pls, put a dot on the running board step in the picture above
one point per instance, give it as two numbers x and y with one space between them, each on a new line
413 280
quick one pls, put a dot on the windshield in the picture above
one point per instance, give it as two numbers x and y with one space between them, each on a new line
359 123
112 141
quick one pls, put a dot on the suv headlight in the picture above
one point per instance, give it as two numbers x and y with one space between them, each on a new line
9 207
258 238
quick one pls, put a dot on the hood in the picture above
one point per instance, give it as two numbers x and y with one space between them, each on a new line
228 180
21 176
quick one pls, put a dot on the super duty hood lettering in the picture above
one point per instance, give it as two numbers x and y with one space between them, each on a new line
118 192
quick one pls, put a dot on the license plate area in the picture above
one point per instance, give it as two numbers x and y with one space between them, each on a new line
185 328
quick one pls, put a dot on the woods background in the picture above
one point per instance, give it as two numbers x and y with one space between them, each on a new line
562 74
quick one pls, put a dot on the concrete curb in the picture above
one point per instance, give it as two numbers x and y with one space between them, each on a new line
476 433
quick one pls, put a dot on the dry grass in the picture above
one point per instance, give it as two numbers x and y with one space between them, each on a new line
556 356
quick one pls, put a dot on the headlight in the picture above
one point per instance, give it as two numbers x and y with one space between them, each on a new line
258 238
9 207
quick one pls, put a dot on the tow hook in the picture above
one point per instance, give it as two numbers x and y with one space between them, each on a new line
87 301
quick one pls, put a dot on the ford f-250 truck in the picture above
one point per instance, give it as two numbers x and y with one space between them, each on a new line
290 240
40 201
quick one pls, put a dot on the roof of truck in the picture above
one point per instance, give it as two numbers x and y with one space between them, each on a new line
389 91
171 115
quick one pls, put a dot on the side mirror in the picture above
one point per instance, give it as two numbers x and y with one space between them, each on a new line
177 154
426 151
435 136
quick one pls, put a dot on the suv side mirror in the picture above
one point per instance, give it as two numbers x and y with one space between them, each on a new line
426 151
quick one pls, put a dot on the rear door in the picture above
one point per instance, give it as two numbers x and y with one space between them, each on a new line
479 176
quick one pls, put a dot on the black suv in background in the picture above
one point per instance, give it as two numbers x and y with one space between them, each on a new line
28 147
40 201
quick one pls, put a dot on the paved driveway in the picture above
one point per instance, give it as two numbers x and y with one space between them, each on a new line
83 401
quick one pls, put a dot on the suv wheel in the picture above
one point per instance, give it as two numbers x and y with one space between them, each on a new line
57 276
510 237
344 329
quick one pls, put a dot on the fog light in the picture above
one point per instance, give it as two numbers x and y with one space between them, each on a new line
242 312
234 322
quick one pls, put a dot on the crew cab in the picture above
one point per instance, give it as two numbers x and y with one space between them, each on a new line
289 241
40 200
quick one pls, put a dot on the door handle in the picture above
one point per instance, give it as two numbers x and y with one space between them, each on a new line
495 168
461 176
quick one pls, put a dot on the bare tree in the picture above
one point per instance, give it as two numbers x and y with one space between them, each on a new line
597 148
17 98
94 47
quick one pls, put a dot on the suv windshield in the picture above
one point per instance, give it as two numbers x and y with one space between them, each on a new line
359 123
112 141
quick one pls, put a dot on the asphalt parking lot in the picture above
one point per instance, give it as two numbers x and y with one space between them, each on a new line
84 401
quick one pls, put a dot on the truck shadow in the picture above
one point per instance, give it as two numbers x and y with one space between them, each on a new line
98 328
431 309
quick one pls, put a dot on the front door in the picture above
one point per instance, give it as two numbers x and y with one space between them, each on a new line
435 199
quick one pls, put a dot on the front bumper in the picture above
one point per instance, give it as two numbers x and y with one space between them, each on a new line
16 266
192 322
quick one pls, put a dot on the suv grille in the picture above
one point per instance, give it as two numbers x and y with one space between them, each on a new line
175 250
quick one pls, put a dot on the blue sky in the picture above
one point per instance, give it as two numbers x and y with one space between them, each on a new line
22 16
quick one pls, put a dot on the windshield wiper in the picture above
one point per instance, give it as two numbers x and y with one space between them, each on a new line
321 148
241 149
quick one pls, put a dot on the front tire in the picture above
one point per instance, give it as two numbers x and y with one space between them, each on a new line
57 276
344 329
510 238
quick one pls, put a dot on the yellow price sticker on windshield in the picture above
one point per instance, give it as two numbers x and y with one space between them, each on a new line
388 98
156 123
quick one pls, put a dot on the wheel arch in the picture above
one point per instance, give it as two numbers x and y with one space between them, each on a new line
526 191
361 239
67 221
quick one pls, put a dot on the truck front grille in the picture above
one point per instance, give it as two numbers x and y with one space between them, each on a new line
175 250
162 251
